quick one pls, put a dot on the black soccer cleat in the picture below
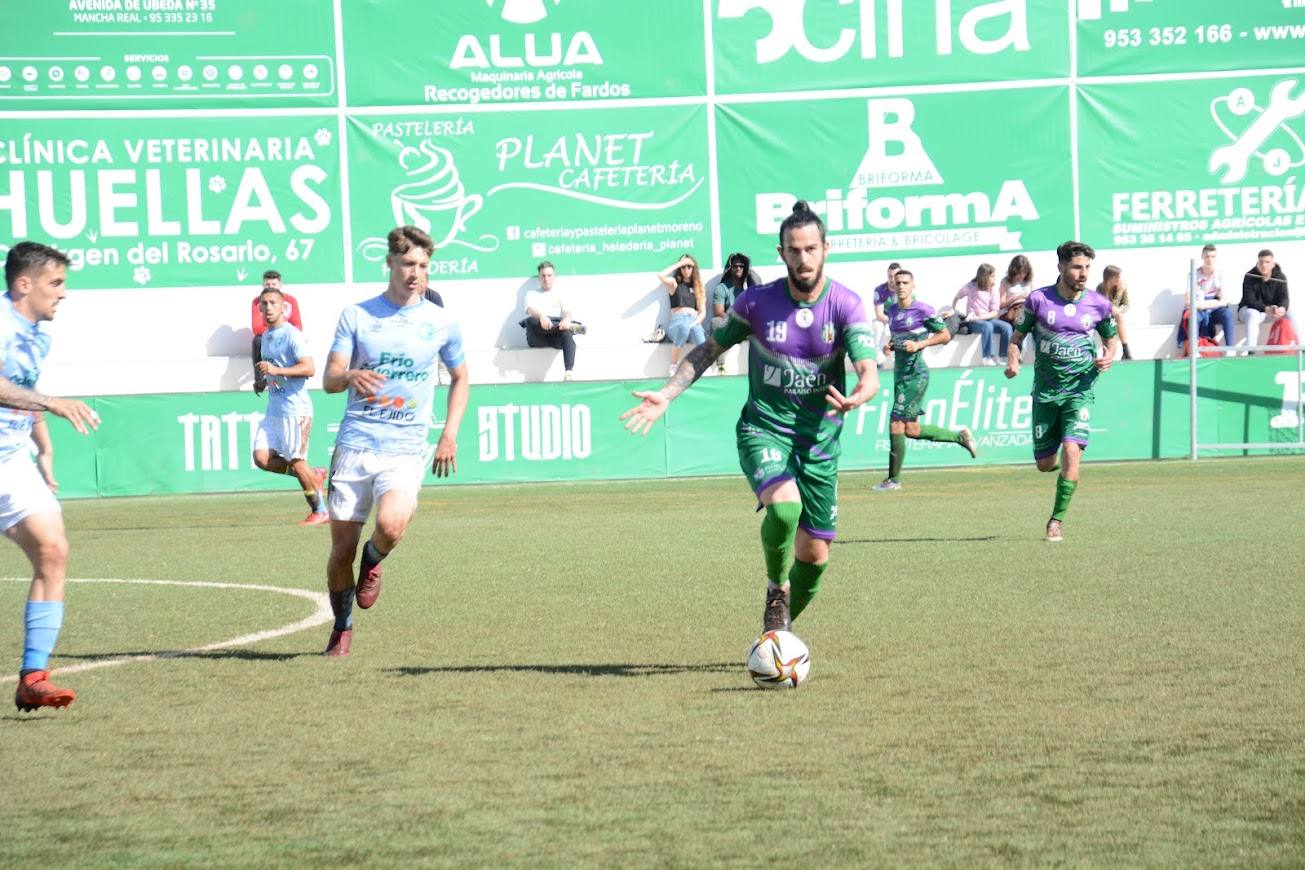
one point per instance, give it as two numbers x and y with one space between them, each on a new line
775 617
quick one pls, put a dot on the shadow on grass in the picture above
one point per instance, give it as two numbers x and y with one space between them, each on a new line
169 527
596 670
247 655
981 539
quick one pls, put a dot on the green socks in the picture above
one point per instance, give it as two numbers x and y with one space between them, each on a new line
1064 492
896 454
897 445
804 582
938 433
777 531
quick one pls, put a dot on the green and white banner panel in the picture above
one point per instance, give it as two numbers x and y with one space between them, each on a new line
799 45
1187 162
464 52
176 202
1132 37
901 175
608 190
535 432
167 54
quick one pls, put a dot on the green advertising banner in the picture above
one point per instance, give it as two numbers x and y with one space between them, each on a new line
463 52
175 202
513 433
1189 162
119 54
1133 37
799 45
901 175
605 190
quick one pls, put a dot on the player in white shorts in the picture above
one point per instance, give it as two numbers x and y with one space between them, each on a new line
35 281
281 442
385 353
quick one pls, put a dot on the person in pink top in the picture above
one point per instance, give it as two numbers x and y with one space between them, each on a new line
981 313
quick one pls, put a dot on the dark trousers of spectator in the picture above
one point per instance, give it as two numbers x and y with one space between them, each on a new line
554 338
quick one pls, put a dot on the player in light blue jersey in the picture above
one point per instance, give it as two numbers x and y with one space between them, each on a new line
385 353
35 278
284 367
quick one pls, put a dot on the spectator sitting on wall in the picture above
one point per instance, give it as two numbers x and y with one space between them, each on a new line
683 282
1264 295
737 277
1015 288
548 320
1212 309
981 316
1112 287
271 281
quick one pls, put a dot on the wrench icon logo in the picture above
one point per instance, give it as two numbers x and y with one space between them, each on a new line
1233 160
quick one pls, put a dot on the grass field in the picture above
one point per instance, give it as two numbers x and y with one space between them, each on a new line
1132 696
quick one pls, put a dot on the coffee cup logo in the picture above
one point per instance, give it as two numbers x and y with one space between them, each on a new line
433 198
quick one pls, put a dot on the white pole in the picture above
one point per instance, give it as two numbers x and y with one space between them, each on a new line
1193 347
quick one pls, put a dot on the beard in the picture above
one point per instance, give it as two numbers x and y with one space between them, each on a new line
804 285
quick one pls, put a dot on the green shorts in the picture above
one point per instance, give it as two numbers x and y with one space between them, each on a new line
908 396
767 457
1058 422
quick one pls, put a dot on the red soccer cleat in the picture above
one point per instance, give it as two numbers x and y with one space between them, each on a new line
369 587
339 643
36 690
316 519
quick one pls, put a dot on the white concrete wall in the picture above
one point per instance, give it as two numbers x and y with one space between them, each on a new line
197 340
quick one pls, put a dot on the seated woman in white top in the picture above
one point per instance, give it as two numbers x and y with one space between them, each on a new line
1015 288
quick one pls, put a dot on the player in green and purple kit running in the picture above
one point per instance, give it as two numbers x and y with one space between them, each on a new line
913 326
1062 318
799 329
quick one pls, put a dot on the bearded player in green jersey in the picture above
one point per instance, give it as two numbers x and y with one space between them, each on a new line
1062 318
799 330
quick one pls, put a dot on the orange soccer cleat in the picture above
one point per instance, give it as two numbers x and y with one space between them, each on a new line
317 518
36 690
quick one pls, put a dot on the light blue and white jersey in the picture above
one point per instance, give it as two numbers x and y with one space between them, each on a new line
284 347
23 345
406 345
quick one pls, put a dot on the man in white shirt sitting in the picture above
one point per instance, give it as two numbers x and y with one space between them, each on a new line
548 320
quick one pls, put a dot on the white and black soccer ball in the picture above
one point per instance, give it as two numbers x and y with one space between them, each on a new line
779 660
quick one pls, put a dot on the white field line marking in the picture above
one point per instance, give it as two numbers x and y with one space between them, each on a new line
321 615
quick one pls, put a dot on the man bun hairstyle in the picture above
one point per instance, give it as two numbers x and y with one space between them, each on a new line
27 257
1071 249
802 216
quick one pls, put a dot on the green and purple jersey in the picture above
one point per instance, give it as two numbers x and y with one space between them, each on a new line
1065 364
796 350
915 322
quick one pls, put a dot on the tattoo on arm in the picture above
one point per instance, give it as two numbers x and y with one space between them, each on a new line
14 396
691 368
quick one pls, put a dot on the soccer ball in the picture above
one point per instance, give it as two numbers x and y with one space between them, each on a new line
779 660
